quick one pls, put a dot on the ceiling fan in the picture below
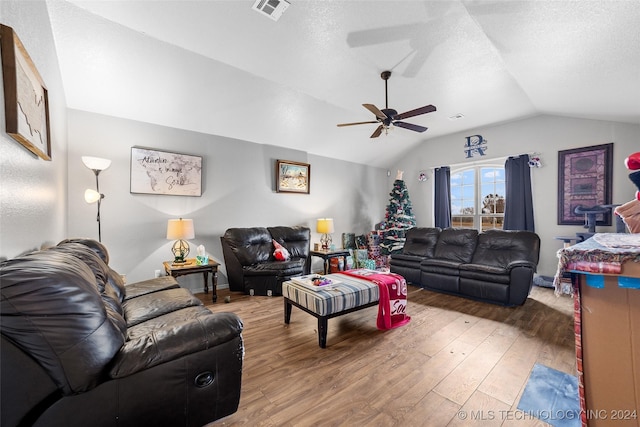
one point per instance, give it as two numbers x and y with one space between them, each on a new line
388 116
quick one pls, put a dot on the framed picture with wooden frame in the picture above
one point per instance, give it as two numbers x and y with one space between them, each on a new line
584 179
292 177
26 99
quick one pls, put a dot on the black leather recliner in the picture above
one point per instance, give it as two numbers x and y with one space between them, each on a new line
251 265
79 348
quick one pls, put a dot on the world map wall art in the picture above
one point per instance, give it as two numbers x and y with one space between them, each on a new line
163 172
26 101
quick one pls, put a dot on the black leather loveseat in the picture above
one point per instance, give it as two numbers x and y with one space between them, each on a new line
251 265
78 348
494 266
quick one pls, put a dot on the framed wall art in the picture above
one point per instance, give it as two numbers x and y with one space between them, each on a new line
292 177
584 179
26 100
164 172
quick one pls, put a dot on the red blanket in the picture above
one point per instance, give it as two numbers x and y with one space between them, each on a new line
392 306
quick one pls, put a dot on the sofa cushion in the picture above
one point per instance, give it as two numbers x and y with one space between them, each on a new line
276 268
177 339
149 306
421 241
108 293
53 311
456 244
434 264
485 290
166 321
406 260
485 273
250 245
149 286
94 245
113 278
294 239
500 248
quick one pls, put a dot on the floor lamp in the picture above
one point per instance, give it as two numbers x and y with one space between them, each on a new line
97 165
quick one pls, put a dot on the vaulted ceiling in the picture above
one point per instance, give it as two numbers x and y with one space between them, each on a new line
222 68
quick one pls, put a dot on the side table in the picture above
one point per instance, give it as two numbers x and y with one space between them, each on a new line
326 255
190 267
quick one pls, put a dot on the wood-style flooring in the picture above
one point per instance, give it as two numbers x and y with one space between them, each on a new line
458 363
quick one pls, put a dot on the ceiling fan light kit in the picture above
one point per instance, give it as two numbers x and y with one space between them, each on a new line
387 118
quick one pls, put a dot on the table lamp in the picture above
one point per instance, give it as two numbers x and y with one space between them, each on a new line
180 230
324 226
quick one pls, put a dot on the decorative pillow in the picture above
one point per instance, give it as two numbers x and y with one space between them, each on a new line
281 253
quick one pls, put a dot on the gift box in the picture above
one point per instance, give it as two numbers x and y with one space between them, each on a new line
348 240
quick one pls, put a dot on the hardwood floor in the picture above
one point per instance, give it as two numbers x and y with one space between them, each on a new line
458 363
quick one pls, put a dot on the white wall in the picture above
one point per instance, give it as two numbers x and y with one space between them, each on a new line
543 134
238 176
33 191
238 191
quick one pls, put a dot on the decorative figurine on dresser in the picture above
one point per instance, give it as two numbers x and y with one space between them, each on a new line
630 211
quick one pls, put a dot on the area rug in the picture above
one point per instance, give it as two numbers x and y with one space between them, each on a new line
551 396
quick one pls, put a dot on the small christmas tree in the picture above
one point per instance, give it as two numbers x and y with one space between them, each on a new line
398 218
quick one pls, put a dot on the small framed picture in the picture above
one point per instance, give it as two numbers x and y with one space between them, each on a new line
292 177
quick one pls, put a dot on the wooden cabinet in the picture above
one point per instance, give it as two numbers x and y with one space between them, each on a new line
608 346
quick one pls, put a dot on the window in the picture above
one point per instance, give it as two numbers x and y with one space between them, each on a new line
477 197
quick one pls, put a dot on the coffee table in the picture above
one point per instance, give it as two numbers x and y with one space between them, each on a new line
346 296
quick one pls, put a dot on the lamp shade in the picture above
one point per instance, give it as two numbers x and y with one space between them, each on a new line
180 229
91 196
96 163
324 225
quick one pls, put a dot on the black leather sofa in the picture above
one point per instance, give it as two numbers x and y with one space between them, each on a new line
494 266
251 265
79 348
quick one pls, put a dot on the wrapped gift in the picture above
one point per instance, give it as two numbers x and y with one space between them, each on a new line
359 257
348 240
369 264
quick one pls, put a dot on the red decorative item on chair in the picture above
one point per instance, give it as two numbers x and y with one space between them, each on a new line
281 253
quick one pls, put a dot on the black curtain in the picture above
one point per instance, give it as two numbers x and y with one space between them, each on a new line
518 202
442 197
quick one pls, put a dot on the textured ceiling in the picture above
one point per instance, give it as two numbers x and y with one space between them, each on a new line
219 67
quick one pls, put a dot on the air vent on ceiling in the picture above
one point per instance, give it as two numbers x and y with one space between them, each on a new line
272 8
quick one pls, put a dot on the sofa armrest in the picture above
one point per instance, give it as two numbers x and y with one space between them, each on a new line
170 343
521 263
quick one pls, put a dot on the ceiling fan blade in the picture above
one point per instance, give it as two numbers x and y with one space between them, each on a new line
416 112
379 114
377 132
356 123
410 126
